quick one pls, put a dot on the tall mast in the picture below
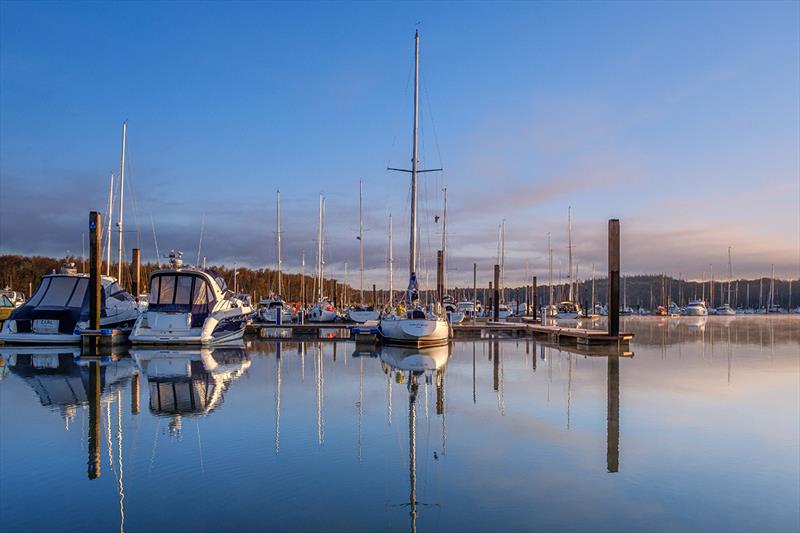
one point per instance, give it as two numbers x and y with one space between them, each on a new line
550 281
319 251
503 260
412 259
772 288
569 247
278 224
121 202
108 225
361 240
391 265
730 275
444 242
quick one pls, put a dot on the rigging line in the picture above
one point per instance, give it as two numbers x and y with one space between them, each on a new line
430 113
132 190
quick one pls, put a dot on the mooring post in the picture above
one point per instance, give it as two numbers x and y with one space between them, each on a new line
94 416
496 302
533 297
439 275
94 270
135 393
136 267
613 277
612 416
335 295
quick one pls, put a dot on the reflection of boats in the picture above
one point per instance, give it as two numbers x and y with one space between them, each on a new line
190 381
190 306
695 323
415 362
60 378
416 326
60 307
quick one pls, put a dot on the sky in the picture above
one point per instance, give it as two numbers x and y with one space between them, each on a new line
681 119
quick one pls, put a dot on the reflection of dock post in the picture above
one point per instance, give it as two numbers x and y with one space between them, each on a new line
496 364
613 277
440 391
94 420
135 393
612 439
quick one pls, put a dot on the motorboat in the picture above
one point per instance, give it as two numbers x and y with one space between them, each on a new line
189 305
696 308
569 311
625 310
273 307
469 309
504 311
6 306
322 311
59 309
726 310
453 314
417 326
15 297
673 309
362 313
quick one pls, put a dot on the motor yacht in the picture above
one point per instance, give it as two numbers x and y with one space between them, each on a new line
696 308
726 310
270 309
59 309
189 305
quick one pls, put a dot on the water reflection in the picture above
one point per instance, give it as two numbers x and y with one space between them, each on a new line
189 382
477 435
409 365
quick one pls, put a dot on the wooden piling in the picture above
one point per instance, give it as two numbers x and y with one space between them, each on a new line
136 267
496 298
94 270
613 276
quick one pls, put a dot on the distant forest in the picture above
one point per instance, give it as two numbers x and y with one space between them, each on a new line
23 274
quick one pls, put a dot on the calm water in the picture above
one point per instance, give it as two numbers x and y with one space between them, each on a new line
698 431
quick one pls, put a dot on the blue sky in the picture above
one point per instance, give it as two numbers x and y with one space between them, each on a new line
682 119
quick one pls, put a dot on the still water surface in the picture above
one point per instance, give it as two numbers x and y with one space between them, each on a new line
698 431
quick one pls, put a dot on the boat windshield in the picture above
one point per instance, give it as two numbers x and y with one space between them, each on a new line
60 291
180 293
5 302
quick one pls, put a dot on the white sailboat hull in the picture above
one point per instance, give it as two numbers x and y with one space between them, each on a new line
416 331
362 316
320 314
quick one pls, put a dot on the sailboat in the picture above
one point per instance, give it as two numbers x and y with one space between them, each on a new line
274 309
569 309
416 326
361 313
322 310
727 309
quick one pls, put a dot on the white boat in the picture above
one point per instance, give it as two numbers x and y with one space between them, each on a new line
15 297
362 313
416 326
451 310
469 309
59 309
189 305
696 308
273 307
322 310
569 311
726 310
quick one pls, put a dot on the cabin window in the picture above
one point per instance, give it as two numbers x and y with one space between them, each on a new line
166 291
183 291
79 294
59 291
200 293
154 290
40 292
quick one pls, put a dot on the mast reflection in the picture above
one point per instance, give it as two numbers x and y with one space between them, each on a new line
408 364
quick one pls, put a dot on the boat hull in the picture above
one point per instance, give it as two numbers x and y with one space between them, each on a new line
213 331
415 332
362 316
